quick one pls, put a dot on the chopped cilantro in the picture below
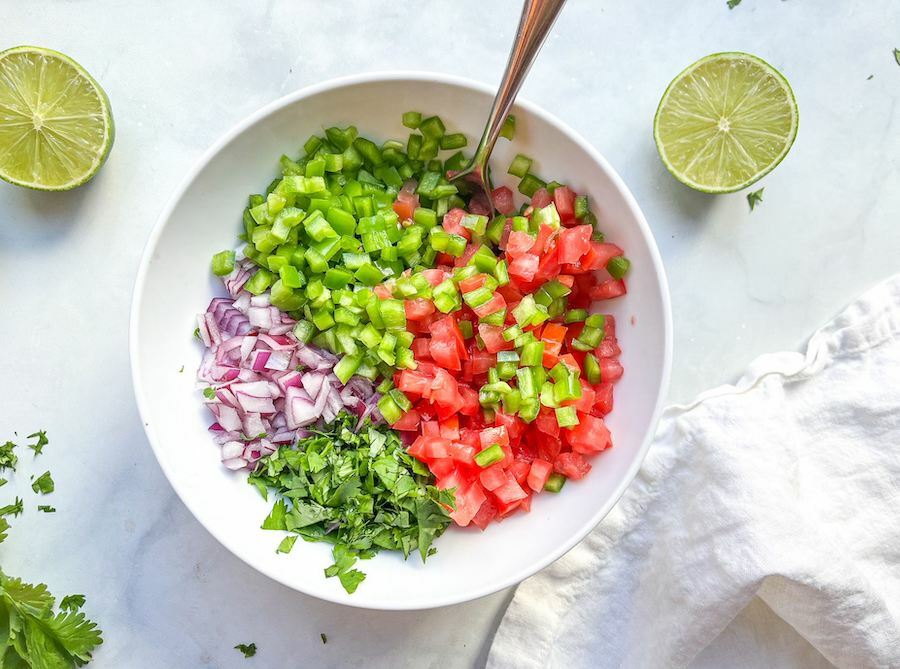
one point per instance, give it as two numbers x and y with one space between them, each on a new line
13 509
360 491
733 3
71 602
3 482
41 441
287 544
181 369
46 508
8 459
870 77
209 393
197 333
43 484
897 56
755 198
248 649
324 638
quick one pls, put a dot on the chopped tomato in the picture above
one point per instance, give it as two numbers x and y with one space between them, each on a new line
503 200
462 453
418 308
574 243
546 422
482 361
609 348
442 467
405 204
492 336
603 398
449 428
519 243
494 435
599 254
485 515
434 276
538 474
524 267
472 283
571 465
492 477
409 422
447 329
444 353
464 259
468 501
610 370
541 198
590 435
421 349
564 198
510 491
608 289
545 235
452 223
493 305
519 469
470 405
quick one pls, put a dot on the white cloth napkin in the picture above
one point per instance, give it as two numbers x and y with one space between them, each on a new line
785 485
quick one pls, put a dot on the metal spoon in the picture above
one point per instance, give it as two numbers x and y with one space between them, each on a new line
537 18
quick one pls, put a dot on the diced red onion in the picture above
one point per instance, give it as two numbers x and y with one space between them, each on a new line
252 359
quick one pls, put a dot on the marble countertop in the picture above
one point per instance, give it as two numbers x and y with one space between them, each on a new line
180 73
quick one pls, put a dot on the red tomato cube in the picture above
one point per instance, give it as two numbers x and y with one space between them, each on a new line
539 473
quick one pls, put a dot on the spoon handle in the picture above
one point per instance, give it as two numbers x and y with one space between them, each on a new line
537 18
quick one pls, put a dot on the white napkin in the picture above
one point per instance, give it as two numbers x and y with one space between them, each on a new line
785 485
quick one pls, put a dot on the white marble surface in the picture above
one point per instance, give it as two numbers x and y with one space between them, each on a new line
180 73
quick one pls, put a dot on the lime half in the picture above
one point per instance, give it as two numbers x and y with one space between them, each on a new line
56 126
725 122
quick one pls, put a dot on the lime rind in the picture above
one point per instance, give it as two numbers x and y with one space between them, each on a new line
65 131
699 103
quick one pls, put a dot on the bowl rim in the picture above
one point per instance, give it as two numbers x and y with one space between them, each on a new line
426 77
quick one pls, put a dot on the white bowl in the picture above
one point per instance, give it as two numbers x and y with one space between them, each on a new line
174 283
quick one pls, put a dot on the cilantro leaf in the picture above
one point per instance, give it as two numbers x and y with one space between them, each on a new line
181 370
209 393
46 508
71 602
324 638
275 520
8 459
37 637
287 544
754 198
897 56
4 528
75 633
733 3
42 441
248 649
43 484
13 509
197 333
351 580
29 600
3 482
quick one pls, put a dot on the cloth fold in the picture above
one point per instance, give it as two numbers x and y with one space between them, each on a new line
785 485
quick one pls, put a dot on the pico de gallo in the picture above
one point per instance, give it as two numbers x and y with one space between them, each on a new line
374 288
